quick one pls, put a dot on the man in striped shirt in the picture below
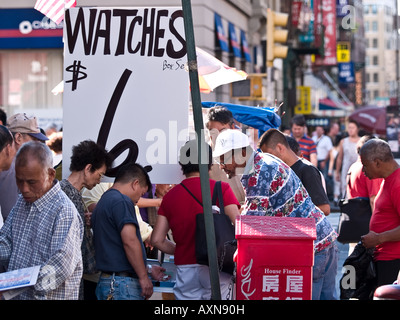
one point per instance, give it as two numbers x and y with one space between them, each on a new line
307 145
43 229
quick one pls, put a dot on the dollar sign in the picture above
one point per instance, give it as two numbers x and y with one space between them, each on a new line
77 74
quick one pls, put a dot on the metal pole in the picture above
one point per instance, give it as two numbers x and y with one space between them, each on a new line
199 128
270 92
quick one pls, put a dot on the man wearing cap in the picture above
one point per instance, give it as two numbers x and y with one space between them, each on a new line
273 189
24 128
218 119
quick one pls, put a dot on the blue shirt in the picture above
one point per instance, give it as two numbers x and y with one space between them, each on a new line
112 213
273 189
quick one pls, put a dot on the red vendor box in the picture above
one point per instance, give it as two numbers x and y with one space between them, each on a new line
275 258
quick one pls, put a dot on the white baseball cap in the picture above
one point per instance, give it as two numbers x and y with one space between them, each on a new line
228 140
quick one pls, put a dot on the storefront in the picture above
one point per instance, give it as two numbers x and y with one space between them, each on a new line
31 64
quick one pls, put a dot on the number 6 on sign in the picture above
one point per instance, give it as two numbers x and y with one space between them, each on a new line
123 145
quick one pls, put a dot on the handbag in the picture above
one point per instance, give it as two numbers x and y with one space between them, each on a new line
226 243
360 280
355 215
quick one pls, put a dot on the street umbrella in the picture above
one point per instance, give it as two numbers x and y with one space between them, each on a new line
261 118
213 72
371 119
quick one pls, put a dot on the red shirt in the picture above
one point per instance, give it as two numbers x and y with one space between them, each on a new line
307 147
386 216
180 209
359 185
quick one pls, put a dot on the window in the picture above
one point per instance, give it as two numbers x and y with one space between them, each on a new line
374 25
366 26
376 77
27 78
375 60
375 43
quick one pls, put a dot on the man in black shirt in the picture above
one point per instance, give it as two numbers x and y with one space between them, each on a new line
275 142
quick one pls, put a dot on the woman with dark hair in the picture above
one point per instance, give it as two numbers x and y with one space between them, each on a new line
178 212
89 163
7 153
7 150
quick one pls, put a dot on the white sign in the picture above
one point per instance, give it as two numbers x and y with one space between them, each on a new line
126 86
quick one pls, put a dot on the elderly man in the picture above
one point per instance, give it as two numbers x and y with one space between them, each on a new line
273 189
43 229
384 235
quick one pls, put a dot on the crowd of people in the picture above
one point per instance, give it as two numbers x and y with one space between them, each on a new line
92 239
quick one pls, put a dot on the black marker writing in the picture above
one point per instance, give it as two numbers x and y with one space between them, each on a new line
123 145
138 32
77 74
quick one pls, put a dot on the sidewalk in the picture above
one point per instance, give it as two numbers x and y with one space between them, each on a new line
343 249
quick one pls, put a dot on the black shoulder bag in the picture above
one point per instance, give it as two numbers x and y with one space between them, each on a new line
224 234
355 215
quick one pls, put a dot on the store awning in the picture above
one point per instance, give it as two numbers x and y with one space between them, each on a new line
328 107
328 104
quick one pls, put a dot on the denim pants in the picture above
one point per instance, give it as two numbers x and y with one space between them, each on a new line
121 288
324 274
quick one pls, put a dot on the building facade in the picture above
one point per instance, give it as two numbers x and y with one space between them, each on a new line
31 49
380 35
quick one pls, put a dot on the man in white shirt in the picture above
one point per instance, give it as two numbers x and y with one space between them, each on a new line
324 146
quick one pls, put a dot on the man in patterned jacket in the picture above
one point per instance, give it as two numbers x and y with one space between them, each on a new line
273 189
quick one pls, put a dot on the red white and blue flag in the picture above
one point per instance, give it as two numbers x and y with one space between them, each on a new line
54 9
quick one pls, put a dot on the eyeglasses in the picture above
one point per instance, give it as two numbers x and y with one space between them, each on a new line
99 173
225 162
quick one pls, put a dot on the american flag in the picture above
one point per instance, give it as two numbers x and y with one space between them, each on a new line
54 9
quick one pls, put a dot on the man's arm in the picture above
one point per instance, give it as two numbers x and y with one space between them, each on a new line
313 159
372 239
5 243
325 208
133 251
339 161
158 237
67 239
310 177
